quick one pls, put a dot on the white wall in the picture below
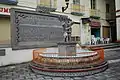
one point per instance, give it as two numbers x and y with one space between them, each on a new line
60 4
86 34
101 5
75 30
117 2
87 5
17 56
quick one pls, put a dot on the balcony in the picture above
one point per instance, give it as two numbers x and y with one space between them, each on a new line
110 16
46 5
94 13
77 9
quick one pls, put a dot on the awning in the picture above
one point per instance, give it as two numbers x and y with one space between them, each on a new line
104 23
95 23
12 2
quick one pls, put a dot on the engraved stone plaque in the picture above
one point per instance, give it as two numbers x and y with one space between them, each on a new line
30 29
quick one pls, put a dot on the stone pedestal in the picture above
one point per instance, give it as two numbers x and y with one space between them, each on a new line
67 49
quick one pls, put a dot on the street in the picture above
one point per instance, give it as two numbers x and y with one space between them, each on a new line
22 71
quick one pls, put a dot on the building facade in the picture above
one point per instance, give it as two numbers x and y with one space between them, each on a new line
89 15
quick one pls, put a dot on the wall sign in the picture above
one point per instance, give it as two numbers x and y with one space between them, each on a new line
4 10
95 23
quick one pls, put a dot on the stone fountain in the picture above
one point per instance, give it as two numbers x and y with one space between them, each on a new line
56 53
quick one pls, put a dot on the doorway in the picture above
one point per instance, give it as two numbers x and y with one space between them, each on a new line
106 32
95 32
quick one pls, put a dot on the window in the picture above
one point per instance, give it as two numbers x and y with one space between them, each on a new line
93 4
76 1
107 8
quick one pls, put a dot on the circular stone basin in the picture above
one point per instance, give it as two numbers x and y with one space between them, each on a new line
55 50
85 62
53 53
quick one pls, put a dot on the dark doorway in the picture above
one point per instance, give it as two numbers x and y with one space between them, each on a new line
113 31
95 32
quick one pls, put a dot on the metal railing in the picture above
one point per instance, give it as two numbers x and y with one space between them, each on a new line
110 15
77 8
47 3
94 12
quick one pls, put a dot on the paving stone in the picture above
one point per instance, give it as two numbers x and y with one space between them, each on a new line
58 78
101 78
16 79
29 79
32 77
39 76
21 78
32 74
47 76
39 79
42 78
90 77
77 78
9 79
2 78
112 79
27 75
49 79
108 75
7 76
68 78
117 74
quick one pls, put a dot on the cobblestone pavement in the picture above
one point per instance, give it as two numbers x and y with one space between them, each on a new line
22 71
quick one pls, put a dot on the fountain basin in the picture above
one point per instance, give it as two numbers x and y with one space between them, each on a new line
47 61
